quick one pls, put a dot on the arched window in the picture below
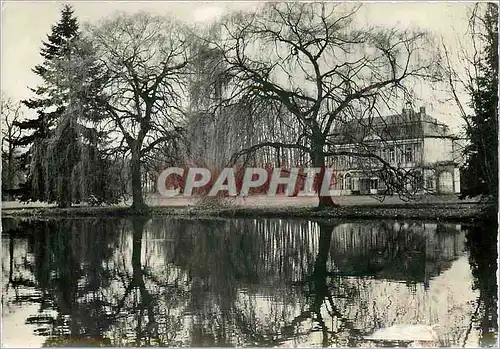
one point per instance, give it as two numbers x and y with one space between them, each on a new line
347 181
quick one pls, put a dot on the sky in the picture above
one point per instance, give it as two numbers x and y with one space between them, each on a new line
26 23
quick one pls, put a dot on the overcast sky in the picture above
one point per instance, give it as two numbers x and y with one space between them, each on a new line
26 23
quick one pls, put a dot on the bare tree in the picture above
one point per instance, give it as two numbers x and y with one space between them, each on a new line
477 78
11 113
144 57
314 62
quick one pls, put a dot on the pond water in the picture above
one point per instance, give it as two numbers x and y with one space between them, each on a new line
244 282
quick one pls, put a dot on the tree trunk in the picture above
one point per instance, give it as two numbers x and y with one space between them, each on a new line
147 301
135 169
10 170
64 203
64 198
319 275
318 160
320 272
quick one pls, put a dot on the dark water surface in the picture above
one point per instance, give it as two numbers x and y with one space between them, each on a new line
244 282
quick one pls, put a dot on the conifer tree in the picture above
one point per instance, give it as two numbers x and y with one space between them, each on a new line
54 47
65 163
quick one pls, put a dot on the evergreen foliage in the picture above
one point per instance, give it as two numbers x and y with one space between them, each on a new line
66 163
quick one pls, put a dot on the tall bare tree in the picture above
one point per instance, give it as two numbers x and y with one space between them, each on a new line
315 62
144 57
477 78
11 112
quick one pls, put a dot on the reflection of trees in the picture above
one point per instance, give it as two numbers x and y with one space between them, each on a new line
143 302
410 252
228 263
13 280
65 263
367 256
72 254
146 326
223 257
174 282
481 244
321 291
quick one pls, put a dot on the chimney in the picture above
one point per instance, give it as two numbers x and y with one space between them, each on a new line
407 110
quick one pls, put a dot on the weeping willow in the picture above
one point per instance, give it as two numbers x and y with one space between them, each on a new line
39 167
219 127
70 165
69 168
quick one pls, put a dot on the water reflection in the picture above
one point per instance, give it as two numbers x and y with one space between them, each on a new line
172 282
483 258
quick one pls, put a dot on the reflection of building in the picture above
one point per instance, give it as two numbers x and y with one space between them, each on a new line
410 141
241 282
407 252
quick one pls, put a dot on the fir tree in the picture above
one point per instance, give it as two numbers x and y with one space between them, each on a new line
65 155
56 46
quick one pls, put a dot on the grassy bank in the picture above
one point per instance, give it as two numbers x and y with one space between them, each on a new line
457 212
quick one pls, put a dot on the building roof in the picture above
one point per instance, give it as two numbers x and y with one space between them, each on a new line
407 125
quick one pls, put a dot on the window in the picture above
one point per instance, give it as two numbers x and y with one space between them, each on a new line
409 154
392 155
419 181
347 182
430 182
383 153
374 183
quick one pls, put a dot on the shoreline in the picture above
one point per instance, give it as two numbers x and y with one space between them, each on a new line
453 212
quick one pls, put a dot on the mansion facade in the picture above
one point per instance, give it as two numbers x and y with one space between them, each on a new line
409 141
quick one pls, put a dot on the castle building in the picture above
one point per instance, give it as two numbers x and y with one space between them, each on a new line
409 141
